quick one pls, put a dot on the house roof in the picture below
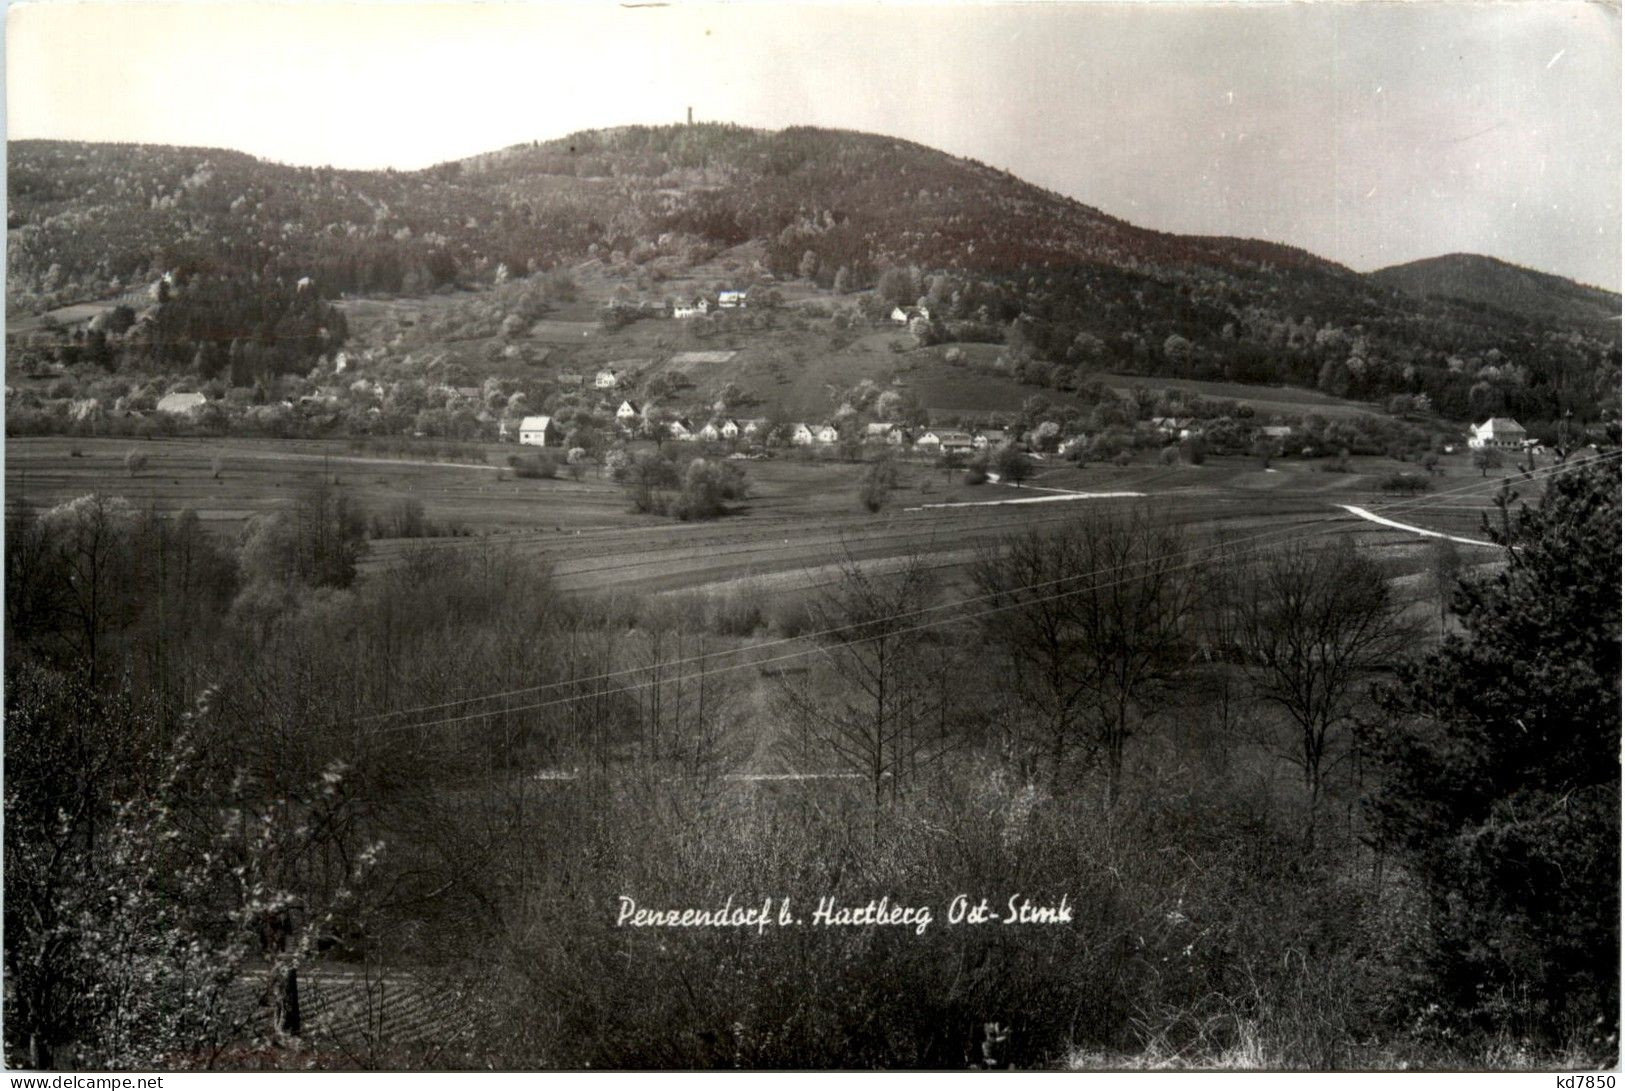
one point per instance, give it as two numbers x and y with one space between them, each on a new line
1500 424
535 424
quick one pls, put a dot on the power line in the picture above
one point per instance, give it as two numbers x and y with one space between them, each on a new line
1393 506
1261 542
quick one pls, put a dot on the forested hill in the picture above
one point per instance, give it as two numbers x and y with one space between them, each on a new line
85 215
1489 282
1061 282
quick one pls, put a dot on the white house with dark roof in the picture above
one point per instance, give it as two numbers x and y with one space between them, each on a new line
939 439
1498 433
628 412
538 431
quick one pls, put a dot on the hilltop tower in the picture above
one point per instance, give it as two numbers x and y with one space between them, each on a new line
691 115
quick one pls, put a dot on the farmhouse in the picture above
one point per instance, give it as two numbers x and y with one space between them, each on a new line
899 316
538 431
877 431
991 439
181 405
827 433
731 299
801 435
628 412
710 433
753 427
729 429
692 309
943 440
681 429
898 436
1497 433
606 379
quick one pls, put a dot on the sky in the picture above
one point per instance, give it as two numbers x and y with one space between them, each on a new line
1370 133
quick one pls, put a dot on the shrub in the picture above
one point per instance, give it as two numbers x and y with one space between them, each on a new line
538 465
876 484
1013 464
1404 483
135 462
706 486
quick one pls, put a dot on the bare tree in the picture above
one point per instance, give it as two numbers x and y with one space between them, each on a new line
1444 569
1311 622
1135 618
1030 581
1093 619
887 717
90 538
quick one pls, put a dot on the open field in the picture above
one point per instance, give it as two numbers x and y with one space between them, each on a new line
1288 401
801 518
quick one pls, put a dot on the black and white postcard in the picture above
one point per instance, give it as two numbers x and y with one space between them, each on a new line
812 536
